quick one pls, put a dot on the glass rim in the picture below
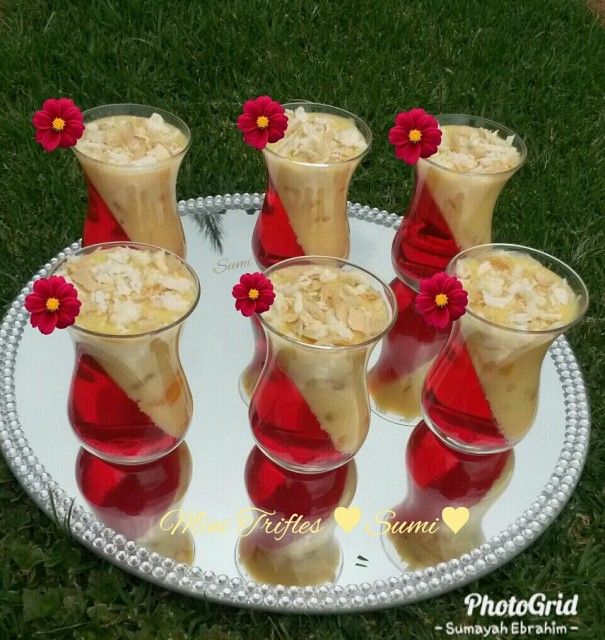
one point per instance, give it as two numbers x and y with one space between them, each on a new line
542 257
138 245
388 294
363 127
180 124
489 124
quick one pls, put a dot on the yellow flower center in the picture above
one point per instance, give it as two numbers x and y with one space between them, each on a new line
52 304
415 135
253 294
58 124
262 122
441 300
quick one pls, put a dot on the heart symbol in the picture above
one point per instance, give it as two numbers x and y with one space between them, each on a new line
349 518
455 519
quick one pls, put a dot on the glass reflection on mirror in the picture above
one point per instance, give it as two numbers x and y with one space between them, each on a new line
438 478
289 536
133 499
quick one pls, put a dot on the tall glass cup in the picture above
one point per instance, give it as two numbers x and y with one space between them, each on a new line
305 206
129 401
481 394
310 408
450 211
131 202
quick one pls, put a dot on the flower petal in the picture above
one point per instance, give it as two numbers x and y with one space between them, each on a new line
72 113
263 103
274 109
74 127
246 307
35 303
404 120
66 103
35 317
409 153
45 287
64 318
398 136
257 138
248 280
51 106
47 323
67 140
70 306
267 297
431 135
42 120
416 114
440 318
439 282
274 135
425 302
48 139
246 122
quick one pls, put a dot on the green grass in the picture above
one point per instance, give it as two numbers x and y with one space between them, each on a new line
535 65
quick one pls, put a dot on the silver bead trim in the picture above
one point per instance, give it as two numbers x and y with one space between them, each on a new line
397 590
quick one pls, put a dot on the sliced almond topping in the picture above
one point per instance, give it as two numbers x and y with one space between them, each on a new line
131 140
524 295
326 305
319 137
475 150
125 290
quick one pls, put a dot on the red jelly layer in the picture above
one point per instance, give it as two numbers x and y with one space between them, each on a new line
131 499
107 420
411 342
449 475
274 239
284 425
100 224
273 488
424 243
455 401
440 477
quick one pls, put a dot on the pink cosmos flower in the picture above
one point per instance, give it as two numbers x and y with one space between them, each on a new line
416 134
58 124
253 294
53 304
441 299
263 120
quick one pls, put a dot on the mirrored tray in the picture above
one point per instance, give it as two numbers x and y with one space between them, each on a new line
126 525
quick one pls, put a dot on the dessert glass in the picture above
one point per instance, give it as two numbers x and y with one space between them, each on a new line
129 401
306 553
450 211
133 499
251 373
440 477
305 206
133 203
310 408
481 394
